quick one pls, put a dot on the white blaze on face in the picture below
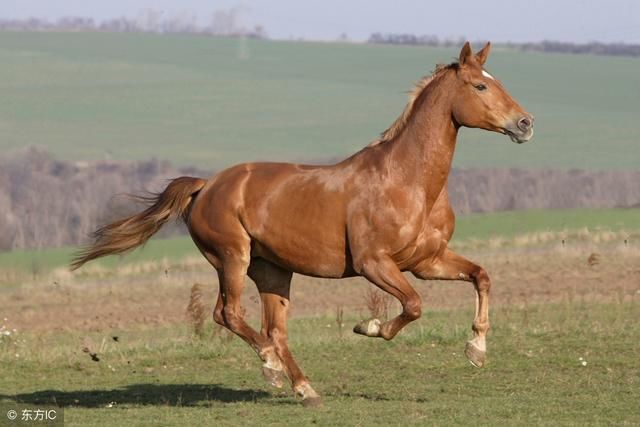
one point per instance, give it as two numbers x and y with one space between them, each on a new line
487 75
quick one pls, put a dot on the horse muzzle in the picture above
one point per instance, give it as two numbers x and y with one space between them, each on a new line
522 131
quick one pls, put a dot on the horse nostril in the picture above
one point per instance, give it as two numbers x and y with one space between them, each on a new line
525 123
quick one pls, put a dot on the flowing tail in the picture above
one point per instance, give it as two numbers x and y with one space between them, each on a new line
131 232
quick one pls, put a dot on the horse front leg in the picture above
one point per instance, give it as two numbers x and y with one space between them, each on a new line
384 273
451 266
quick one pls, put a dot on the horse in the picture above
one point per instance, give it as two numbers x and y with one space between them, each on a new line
381 212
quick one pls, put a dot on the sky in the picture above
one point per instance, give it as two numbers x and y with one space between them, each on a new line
496 20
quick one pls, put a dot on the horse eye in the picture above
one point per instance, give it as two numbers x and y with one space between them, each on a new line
480 87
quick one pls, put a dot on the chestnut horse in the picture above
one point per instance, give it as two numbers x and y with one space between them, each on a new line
378 213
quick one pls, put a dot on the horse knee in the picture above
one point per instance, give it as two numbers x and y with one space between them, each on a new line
481 280
412 310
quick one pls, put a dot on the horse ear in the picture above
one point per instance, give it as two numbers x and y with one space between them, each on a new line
484 53
465 54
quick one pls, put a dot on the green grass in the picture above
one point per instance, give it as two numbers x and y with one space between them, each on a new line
45 259
475 226
534 374
193 101
513 223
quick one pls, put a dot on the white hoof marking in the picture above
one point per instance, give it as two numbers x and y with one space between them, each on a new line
373 328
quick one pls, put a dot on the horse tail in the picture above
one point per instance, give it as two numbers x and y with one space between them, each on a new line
133 231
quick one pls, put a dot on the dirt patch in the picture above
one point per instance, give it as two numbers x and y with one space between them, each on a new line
153 297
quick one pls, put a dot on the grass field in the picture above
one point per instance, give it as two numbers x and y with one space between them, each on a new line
195 101
475 227
535 375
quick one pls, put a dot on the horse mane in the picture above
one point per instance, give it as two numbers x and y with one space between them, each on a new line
401 122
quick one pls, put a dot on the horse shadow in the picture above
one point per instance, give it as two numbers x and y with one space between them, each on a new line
189 395
143 394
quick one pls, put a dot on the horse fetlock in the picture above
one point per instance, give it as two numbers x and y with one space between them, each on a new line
271 358
480 327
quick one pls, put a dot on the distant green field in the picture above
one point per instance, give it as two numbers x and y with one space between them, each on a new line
477 226
509 224
195 101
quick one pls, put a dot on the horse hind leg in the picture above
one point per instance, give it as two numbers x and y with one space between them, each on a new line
228 311
274 284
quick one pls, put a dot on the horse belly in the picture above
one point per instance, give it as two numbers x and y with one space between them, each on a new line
309 255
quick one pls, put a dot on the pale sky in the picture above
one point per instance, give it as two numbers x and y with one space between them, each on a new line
496 20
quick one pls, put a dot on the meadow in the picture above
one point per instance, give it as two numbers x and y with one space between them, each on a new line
211 102
561 364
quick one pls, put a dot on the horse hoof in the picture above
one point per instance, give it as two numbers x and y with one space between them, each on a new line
369 328
475 355
312 402
273 377
309 396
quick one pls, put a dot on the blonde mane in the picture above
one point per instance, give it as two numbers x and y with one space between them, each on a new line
401 122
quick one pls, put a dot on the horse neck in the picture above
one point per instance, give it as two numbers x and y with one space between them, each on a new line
423 151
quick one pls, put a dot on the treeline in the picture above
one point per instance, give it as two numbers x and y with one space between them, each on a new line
593 48
491 190
46 202
221 23
413 39
227 23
